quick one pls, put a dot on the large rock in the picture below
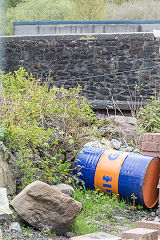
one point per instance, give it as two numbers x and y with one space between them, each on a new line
9 170
46 208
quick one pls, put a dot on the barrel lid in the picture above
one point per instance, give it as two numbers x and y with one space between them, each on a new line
151 179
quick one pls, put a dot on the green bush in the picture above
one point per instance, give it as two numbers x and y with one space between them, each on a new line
13 3
149 116
42 125
133 10
87 10
32 10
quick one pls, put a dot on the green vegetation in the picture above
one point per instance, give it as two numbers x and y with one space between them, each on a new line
13 3
42 125
87 10
98 208
30 10
149 116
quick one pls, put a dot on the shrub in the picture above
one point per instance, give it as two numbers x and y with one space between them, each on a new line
48 10
133 10
42 125
31 10
149 116
87 10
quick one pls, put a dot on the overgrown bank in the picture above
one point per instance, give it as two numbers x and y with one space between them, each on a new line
44 128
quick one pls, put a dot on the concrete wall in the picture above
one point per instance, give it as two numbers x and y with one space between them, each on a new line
79 27
113 69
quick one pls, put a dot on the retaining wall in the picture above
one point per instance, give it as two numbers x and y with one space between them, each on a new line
114 70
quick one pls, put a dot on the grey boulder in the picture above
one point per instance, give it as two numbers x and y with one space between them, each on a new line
64 188
46 208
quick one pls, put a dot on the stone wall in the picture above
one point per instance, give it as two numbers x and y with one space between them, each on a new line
113 69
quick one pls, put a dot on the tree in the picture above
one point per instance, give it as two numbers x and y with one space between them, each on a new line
87 10
31 10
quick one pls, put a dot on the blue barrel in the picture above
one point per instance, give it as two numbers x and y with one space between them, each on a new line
86 163
126 174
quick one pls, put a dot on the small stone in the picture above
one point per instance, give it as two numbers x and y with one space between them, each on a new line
136 150
61 157
102 130
96 144
122 149
15 226
115 144
70 234
119 218
65 188
156 219
106 143
153 214
70 155
129 149
158 211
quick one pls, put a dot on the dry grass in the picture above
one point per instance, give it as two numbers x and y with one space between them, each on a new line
134 10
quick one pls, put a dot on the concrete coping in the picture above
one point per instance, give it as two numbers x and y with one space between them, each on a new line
83 37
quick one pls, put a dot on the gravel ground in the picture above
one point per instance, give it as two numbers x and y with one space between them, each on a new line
28 234
121 221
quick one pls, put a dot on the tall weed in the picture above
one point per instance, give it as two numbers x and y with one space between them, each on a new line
149 116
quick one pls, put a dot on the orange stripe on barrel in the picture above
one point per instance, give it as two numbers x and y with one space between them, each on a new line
107 171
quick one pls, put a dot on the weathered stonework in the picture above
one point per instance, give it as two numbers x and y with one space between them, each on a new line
111 68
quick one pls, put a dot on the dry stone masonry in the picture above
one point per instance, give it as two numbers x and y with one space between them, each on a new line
111 68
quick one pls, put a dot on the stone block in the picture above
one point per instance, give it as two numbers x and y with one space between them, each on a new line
149 225
147 137
95 236
150 146
64 188
156 137
5 212
140 234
